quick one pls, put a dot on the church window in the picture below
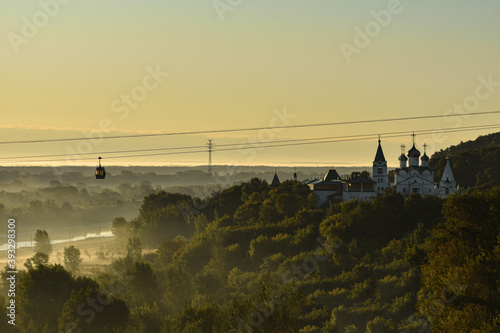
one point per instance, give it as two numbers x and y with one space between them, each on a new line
447 191
379 171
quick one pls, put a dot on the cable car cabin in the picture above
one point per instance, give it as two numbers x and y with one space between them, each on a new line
100 172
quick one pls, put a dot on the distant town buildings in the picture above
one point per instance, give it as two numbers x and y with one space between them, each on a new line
414 175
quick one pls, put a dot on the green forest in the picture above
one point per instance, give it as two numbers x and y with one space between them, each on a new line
475 162
256 258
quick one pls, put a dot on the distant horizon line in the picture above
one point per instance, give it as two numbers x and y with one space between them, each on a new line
311 165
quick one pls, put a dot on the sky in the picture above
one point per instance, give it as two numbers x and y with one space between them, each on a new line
91 69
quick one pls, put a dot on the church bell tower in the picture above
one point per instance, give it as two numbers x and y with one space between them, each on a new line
380 170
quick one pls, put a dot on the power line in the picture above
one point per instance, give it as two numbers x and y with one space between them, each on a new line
102 153
254 128
274 144
256 144
286 143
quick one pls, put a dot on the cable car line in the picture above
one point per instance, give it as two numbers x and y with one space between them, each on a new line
252 144
256 128
280 143
104 152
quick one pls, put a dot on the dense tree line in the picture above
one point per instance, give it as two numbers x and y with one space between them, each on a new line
461 278
256 258
475 162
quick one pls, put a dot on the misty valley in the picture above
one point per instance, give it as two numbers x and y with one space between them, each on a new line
69 201
172 250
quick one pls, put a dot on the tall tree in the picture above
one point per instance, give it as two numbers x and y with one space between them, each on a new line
42 242
119 227
144 287
38 259
72 258
89 311
134 248
42 294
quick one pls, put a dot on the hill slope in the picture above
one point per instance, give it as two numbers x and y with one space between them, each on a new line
474 162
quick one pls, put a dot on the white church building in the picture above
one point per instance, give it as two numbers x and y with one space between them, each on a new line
414 175
447 185
417 176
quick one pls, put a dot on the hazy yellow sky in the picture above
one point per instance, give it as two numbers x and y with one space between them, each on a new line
68 68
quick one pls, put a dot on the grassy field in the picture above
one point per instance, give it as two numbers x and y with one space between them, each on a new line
88 248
